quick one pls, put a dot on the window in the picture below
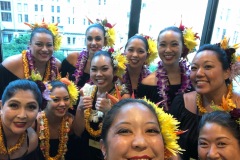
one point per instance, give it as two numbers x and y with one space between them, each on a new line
19 18
26 18
69 20
84 21
68 40
36 7
7 38
58 19
52 8
99 2
5 6
235 37
74 39
52 19
104 2
73 20
7 17
19 7
41 8
58 9
228 13
25 7
73 10
224 33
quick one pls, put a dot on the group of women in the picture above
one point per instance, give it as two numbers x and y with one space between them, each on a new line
75 109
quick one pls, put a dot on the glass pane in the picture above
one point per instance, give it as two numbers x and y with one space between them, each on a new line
158 14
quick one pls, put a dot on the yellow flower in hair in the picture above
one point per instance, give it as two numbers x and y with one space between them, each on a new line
169 130
72 90
152 50
111 37
189 39
224 43
120 62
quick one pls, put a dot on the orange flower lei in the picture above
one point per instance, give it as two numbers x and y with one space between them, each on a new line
27 72
44 137
18 145
227 103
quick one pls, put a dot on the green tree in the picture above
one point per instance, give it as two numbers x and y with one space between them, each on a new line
16 46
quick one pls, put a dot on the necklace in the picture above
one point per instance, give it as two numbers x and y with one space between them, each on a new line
81 63
126 78
44 137
226 105
4 150
28 66
163 80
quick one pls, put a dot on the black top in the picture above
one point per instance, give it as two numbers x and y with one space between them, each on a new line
70 69
188 121
5 78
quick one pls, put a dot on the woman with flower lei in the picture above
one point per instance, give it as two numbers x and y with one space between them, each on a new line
172 74
140 50
20 103
212 70
44 40
54 123
106 67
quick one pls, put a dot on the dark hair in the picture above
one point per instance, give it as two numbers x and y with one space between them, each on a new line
96 25
177 30
138 37
113 112
22 84
221 55
58 84
41 30
221 118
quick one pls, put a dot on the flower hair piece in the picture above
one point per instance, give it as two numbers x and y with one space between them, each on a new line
152 49
234 59
190 40
119 61
72 90
169 129
52 28
110 31
235 115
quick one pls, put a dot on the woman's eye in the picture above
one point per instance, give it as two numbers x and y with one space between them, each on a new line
89 38
208 67
49 45
221 144
93 69
55 100
66 99
162 45
13 105
123 131
98 39
175 44
32 107
202 144
39 44
153 131
193 68
105 69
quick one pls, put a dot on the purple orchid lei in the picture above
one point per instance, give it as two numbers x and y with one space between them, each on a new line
53 67
162 82
126 78
81 63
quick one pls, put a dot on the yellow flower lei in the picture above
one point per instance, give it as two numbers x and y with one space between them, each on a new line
227 103
169 130
44 137
18 145
72 89
27 72
52 28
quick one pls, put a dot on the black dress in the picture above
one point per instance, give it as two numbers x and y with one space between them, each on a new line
188 121
5 78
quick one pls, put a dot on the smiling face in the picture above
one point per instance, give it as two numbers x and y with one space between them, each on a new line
217 142
94 40
136 53
19 112
170 47
42 47
60 102
101 72
207 74
134 137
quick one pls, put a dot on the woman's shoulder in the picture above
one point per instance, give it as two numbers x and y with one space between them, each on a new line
190 101
72 58
150 79
13 62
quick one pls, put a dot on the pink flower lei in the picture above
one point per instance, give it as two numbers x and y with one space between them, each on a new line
162 82
81 63
126 78
53 67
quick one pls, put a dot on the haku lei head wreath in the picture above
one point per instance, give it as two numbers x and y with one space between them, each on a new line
110 31
72 90
152 49
51 27
190 40
235 115
169 129
233 58
119 61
